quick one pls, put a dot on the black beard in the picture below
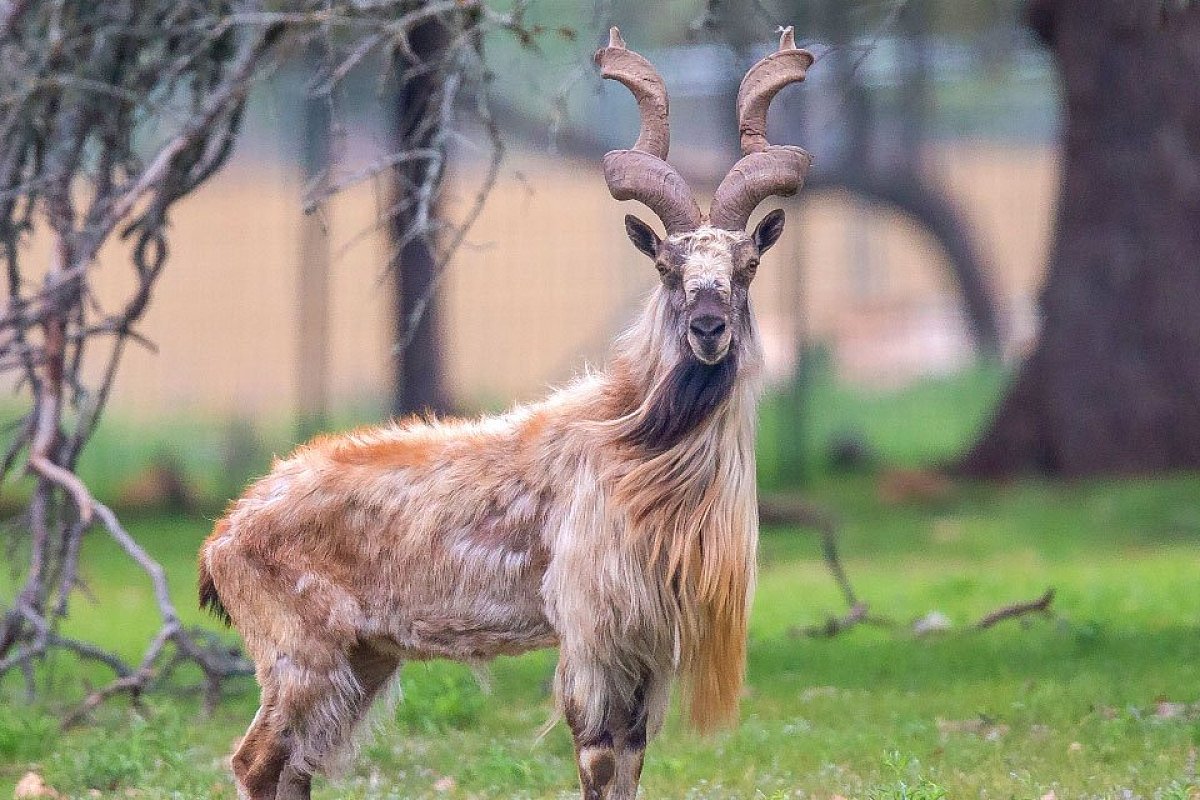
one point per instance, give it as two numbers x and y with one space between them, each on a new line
684 401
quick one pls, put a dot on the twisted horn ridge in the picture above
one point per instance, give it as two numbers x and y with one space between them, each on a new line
765 169
642 173
634 175
787 65
619 63
779 170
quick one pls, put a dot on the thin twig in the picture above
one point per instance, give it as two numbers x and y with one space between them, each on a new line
1039 606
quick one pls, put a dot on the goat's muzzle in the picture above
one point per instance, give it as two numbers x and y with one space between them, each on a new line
708 332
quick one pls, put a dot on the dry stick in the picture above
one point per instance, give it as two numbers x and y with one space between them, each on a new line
775 511
132 683
859 614
16 446
25 606
73 540
427 190
320 195
171 632
1040 605
835 625
48 413
798 512
233 90
49 407
91 652
22 610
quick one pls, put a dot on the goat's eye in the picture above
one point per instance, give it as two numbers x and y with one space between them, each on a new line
752 265
663 269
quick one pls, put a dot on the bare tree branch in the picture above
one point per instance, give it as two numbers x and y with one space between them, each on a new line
110 113
1039 606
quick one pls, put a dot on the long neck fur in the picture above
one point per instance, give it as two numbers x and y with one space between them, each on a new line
686 481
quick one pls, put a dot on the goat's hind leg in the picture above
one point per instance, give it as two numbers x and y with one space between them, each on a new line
294 784
317 705
325 709
263 765
262 754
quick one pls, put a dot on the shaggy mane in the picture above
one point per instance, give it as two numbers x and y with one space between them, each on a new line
687 486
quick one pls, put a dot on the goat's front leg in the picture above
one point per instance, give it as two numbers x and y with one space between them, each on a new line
610 758
595 755
629 744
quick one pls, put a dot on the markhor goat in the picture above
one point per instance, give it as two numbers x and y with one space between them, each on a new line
616 519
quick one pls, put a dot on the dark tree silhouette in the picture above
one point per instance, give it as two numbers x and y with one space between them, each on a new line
418 125
1113 385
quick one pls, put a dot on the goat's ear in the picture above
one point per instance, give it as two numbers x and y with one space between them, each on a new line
642 235
769 230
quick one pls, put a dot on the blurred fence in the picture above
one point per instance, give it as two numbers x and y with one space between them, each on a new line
547 276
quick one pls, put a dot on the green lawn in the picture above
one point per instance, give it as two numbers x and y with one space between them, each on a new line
1102 699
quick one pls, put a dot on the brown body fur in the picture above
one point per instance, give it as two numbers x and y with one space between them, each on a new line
616 519
466 540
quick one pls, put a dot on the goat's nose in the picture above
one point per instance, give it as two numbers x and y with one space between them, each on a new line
708 326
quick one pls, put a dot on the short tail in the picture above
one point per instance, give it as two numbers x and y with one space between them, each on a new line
210 601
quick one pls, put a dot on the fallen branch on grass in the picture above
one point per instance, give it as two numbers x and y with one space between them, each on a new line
859 614
794 511
98 143
1038 606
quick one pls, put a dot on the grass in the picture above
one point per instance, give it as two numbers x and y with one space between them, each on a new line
1098 700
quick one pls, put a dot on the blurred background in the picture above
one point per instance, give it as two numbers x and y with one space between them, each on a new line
981 324
915 253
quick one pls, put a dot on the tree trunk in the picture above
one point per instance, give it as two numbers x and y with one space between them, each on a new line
1113 385
419 385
